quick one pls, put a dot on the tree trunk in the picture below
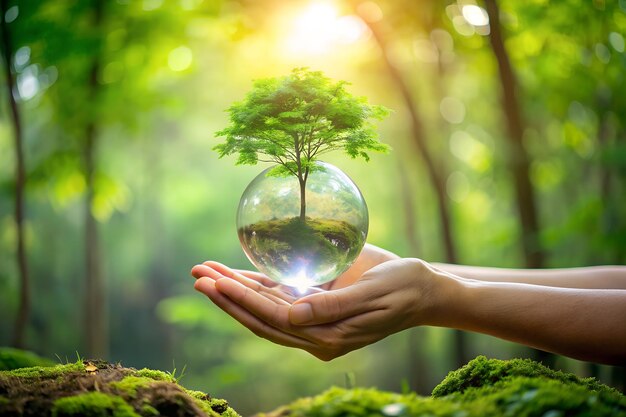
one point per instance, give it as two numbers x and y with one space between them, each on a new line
436 175
96 329
518 157
419 138
409 209
302 199
21 319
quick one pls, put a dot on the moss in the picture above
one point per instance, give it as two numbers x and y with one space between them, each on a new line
148 410
526 397
103 390
130 384
15 358
339 402
519 397
45 372
93 404
482 371
483 388
156 375
210 405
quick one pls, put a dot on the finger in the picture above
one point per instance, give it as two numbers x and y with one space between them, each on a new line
258 327
262 307
273 312
274 294
199 271
224 271
257 276
272 297
334 305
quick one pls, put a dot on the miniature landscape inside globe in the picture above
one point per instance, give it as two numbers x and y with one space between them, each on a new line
296 250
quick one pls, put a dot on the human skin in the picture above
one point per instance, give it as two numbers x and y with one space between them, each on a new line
577 312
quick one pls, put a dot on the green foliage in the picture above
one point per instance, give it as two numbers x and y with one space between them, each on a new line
482 372
93 404
294 119
11 358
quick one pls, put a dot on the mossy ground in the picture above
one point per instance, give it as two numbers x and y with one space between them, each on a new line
286 243
97 388
482 388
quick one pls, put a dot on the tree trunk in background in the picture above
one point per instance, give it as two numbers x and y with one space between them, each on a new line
157 239
519 161
20 181
96 327
436 175
409 209
419 375
518 157
419 138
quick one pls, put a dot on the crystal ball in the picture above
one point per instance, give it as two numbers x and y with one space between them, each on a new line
298 244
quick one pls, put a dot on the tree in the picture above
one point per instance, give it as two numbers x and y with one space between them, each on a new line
294 119
518 157
20 180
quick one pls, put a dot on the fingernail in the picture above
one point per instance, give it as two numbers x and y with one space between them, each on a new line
301 313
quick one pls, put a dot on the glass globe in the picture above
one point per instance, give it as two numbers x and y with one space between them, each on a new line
306 246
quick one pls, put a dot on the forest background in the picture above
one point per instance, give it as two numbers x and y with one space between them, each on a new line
509 149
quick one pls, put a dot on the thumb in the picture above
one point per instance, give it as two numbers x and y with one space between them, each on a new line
333 305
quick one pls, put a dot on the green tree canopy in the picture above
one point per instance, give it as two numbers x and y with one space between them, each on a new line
294 119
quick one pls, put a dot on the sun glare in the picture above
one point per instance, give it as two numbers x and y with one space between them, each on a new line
319 28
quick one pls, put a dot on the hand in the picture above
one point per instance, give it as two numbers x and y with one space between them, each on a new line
378 296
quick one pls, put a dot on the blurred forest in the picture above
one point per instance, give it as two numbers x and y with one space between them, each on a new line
509 149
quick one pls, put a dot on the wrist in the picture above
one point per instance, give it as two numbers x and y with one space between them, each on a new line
442 298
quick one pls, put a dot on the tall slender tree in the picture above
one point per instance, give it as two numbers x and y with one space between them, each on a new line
96 329
20 179
519 160
434 168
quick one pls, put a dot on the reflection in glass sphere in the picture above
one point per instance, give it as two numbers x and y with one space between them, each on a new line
296 251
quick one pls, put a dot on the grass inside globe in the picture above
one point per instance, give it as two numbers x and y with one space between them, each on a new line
302 245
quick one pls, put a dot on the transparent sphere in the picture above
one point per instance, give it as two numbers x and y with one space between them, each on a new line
302 245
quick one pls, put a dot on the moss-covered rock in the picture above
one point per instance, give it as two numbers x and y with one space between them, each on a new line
15 358
482 388
93 404
96 388
481 372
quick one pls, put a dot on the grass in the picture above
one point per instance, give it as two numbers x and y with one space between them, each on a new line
288 244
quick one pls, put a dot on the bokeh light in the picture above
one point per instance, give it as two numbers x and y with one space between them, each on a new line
180 58
319 27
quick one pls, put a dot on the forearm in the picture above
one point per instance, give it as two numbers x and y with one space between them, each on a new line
585 324
593 277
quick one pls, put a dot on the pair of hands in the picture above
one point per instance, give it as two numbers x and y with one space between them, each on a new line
380 294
